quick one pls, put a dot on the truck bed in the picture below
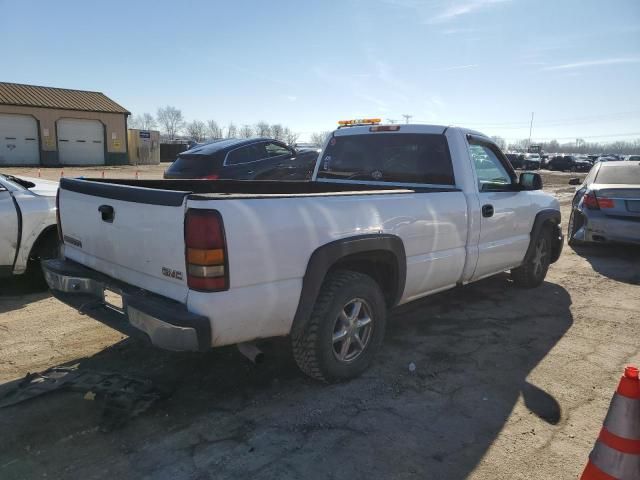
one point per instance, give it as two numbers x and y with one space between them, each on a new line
225 189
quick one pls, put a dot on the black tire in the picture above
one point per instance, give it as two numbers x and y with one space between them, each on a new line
314 347
575 222
45 248
532 273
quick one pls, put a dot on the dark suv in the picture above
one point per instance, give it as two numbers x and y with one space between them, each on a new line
516 159
244 159
569 162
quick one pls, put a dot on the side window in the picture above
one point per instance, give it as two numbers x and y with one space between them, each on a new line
249 153
492 176
276 150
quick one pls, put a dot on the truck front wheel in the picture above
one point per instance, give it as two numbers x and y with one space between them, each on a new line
345 330
532 272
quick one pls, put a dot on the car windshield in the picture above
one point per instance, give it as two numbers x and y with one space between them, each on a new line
388 157
620 174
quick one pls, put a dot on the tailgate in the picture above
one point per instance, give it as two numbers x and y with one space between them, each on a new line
132 234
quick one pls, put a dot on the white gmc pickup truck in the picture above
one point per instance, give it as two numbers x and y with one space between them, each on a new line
392 213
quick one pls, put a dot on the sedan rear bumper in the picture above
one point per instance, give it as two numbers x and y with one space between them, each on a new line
601 228
164 322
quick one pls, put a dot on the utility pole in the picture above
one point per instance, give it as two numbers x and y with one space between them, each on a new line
391 121
406 117
530 129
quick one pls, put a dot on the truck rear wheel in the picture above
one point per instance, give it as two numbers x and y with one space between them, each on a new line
532 272
345 330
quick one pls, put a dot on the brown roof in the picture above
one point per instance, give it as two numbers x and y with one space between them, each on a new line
62 98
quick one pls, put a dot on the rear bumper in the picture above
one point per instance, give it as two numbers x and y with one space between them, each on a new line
600 228
164 322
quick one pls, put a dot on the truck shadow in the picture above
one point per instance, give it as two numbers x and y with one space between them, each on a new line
617 262
473 349
18 291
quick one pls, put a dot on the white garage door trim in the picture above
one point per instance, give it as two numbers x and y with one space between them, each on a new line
80 141
19 143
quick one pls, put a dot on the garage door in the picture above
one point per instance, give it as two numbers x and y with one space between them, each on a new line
18 140
80 142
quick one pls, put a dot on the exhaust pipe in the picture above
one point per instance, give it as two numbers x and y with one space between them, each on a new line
253 353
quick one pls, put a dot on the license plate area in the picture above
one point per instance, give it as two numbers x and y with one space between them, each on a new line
633 205
113 300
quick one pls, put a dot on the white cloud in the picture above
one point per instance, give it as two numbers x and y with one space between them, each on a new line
291 98
595 63
456 67
443 11
457 10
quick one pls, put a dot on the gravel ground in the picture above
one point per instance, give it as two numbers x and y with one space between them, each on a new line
509 384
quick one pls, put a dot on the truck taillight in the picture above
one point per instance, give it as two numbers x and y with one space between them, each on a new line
58 216
206 251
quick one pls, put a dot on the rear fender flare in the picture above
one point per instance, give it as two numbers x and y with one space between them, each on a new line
326 256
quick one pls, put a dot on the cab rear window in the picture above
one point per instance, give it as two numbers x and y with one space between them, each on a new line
388 157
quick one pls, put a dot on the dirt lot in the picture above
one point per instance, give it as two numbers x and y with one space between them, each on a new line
509 384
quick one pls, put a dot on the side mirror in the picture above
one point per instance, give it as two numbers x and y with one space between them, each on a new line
530 181
574 181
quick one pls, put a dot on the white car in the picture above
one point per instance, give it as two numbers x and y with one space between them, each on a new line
393 213
27 224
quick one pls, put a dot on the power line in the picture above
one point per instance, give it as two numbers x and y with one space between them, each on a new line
553 123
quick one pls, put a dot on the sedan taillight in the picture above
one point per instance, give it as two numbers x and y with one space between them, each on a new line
593 202
206 251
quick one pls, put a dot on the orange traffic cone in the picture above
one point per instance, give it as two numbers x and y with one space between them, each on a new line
616 455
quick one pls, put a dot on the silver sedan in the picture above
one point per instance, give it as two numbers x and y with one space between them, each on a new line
606 207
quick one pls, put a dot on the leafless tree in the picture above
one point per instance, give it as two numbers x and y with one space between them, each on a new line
262 129
290 137
319 138
170 120
277 131
143 122
500 142
197 130
213 129
246 131
232 130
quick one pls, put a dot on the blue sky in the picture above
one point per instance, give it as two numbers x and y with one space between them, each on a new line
486 64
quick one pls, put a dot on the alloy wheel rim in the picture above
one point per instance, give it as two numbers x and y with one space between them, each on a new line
352 330
539 256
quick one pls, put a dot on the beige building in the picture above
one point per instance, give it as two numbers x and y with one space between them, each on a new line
56 126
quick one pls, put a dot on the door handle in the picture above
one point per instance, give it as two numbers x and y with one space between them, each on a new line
107 213
487 210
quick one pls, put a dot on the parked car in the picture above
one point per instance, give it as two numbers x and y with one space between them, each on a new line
569 163
632 158
243 159
532 161
393 213
516 159
28 230
606 158
606 207
307 146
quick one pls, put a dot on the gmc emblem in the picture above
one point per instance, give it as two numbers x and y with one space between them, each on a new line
169 272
